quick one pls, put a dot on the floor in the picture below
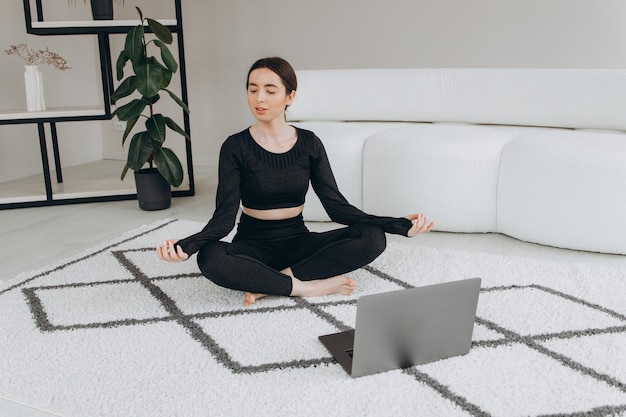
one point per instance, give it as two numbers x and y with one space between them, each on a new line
35 237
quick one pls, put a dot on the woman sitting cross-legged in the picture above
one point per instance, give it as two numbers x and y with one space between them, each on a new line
267 169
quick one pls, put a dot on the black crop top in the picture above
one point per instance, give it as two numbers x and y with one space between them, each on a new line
259 179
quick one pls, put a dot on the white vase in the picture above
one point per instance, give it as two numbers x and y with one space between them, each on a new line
33 81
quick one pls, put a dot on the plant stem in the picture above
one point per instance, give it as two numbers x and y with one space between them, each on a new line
145 52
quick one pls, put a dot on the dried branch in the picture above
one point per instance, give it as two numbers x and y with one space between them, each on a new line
38 57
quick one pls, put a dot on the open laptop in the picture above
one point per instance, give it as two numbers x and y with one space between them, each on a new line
404 328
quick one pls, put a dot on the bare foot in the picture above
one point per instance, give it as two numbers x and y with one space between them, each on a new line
250 298
340 284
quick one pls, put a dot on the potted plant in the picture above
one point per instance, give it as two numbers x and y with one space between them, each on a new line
101 9
148 78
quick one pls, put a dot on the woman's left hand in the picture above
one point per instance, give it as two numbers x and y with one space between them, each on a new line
420 224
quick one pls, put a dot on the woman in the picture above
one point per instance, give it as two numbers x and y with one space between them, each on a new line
267 169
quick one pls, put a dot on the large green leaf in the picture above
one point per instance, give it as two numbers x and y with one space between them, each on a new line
133 47
156 128
161 32
177 100
167 57
122 58
172 125
139 151
126 88
151 77
124 171
152 100
169 166
129 126
130 110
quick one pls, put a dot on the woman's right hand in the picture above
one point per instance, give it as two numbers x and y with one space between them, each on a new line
171 252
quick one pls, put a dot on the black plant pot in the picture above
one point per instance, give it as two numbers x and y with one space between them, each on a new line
102 9
153 192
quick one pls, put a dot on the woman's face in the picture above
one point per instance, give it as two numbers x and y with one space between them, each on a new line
267 96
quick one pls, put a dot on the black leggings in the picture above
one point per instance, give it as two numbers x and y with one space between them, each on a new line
262 248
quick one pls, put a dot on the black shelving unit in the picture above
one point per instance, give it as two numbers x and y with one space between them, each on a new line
103 30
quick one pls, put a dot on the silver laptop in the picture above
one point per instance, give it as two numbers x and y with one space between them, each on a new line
404 328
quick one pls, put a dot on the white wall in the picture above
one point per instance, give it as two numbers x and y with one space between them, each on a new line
224 37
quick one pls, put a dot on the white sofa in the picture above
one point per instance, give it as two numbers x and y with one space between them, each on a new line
536 154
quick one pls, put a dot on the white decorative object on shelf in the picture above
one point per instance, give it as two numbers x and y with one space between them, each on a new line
32 76
33 80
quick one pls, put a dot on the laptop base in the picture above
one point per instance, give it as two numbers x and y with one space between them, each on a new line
340 345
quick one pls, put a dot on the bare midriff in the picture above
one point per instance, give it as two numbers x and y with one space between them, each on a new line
274 214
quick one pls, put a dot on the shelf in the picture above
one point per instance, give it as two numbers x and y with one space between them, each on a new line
95 23
53 113
91 27
83 189
94 181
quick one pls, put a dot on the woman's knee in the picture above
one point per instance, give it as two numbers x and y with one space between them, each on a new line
210 260
374 239
226 267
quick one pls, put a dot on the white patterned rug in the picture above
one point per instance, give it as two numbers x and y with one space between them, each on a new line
115 332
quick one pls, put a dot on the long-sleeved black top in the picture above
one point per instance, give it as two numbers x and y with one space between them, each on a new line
260 179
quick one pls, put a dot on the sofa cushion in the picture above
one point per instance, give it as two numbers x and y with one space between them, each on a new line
566 189
448 172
